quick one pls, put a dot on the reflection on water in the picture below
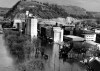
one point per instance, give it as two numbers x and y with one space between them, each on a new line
56 64
53 63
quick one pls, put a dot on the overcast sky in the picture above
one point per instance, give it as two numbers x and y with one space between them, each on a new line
90 5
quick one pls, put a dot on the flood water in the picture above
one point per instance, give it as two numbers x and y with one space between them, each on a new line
6 62
53 63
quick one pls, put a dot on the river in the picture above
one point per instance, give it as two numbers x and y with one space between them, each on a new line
53 63
6 62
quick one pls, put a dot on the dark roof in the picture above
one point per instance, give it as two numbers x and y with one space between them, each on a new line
95 65
88 32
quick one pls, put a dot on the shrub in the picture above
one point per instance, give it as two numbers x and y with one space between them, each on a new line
28 49
22 49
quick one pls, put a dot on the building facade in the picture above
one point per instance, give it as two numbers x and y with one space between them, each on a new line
90 37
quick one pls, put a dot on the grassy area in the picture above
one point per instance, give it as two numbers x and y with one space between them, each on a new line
23 51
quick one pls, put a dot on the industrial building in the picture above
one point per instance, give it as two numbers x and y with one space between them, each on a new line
72 38
31 27
90 37
53 33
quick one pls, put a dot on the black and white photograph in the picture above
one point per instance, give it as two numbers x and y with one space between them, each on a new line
49 35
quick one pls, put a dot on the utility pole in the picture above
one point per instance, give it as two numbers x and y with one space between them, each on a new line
54 62
59 58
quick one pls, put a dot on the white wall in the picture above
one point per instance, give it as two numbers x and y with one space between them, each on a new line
34 27
31 27
58 34
97 31
98 45
15 22
69 19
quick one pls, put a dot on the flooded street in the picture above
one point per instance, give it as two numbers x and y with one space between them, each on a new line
6 62
55 64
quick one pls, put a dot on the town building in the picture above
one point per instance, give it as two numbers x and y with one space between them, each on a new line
16 23
31 27
72 38
98 38
58 34
89 35
68 30
97 31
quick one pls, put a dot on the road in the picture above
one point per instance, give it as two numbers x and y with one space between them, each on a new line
6 62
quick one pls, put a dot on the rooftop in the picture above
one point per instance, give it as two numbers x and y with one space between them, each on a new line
88 32
75 38
92 42
72 36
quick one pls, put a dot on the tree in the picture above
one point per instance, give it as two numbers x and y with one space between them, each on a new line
80 47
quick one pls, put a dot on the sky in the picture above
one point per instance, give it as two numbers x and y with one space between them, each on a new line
89 5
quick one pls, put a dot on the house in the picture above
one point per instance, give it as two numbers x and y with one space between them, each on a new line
89 35
17 22
31 27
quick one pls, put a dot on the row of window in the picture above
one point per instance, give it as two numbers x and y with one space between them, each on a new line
90 36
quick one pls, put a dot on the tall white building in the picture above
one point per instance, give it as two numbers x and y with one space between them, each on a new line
31 27
58 34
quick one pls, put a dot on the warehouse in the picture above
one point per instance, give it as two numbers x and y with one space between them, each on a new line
72 38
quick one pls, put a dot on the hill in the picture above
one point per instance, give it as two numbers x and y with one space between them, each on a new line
3 11
74 10
47 11
95 14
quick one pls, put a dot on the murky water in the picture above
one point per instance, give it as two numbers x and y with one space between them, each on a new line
55 64
6 62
